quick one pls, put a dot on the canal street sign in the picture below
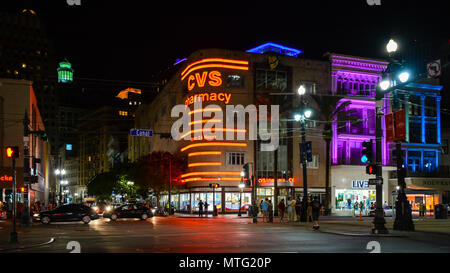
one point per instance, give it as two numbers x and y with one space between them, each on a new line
376 181
141 132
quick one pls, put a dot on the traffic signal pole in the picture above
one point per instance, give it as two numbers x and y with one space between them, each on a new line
379 221
13 236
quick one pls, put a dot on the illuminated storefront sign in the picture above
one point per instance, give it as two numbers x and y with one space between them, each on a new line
269 180
6 178
213 63
360 184
205 97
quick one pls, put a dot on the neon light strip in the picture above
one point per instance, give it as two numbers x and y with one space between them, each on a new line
205 110
231 144
205 153
216 129
198 164
204 121
214 60
215 66
210 173
211 179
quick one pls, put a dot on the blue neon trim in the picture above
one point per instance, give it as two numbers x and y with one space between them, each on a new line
267 47
179 61
425 86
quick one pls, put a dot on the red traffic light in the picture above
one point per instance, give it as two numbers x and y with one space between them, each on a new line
370 169
22 189
12 152
216 185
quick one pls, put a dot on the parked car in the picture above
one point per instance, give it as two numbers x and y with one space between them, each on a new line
388 212
130 210
68 213
109 209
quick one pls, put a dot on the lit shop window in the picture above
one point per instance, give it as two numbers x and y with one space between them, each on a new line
236 158
123 113
271 80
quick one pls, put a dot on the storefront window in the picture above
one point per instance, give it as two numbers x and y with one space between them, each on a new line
345 199
184 201
428 199
232 201
206 197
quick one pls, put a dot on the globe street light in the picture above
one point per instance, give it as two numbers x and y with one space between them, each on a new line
403 77
391 46
301 90
385 84
59 172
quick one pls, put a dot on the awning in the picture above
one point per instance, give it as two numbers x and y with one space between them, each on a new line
440 184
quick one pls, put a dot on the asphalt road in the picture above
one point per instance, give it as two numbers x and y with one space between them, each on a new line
219 235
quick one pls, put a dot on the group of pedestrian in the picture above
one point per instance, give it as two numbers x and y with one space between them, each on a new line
202 204
294 208
266 208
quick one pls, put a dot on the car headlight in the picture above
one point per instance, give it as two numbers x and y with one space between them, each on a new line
153 211
108 208
95 208
35 215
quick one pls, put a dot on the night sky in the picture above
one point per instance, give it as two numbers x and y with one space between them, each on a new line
132 40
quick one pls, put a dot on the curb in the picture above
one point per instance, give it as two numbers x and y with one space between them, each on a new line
362 234
52 239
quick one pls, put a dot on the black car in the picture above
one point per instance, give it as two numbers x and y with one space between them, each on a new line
69 213
131 210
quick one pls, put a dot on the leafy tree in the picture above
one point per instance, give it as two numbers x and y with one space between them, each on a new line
330 109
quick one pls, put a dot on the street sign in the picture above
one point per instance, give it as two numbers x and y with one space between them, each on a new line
434 69
376 181
141 132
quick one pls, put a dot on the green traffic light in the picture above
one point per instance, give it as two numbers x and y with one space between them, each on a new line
364 159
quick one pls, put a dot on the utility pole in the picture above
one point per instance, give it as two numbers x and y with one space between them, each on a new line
170 185
305 182
275 184
13 236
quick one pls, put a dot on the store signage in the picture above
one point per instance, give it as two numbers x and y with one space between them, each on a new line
205 97
6 178
214 79
375 181
389 121
268 180
435 183
360 184
141 132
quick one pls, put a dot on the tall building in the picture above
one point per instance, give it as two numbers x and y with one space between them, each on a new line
17 101
266 75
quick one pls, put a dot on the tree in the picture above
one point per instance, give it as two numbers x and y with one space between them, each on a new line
152 171
331 110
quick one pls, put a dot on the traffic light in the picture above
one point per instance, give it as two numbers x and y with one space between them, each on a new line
371 169
12 152
22 190
214 185
367 152
246 171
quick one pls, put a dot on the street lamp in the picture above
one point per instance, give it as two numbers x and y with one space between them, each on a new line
301 90
403 216
391 46
59 172
301 117
130 184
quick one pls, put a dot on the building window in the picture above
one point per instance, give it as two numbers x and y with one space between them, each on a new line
414 161
235 81
415 132
445 146
310 87
271 80
430 107
236 158
123 113
430 132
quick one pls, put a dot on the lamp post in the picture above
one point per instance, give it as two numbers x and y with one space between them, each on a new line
403 214
306 113
130 184
58 173
64 183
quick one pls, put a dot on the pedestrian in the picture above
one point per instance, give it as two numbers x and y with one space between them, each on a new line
355 208
422 209
361 207
260 205
270 211
265 210
42 207
315 207
200 208
298 205
289 209
281 210
309 211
